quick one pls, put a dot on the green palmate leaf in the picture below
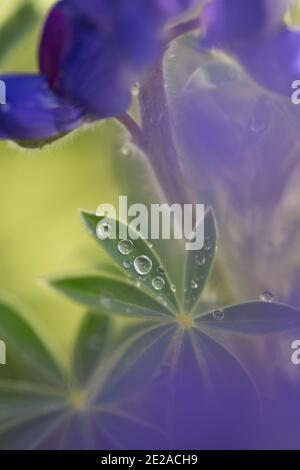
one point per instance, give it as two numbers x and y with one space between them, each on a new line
111 295
29 414
139 359
91 345
111 366
115 376
199 263
40 409
157 363
110 270
252 318
16 27
135 257
25 353
32 387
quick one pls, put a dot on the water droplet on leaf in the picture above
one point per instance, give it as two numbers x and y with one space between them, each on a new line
194 285
127 264
218 315
267 296
125 247
158 283
160 270
200 260
103 230
105 301
135 90
142 265
207 245
124 150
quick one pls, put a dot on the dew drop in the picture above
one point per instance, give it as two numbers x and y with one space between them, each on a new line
218 315
105 301
158 283
261 116
142 265
125 150
161 299
194 285
267 296
200 260
173 288
103 230
256 125
127 264
125 247
135 90
160 270
162 372
207 245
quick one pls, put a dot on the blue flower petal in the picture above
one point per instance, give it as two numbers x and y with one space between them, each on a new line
244 142
33 111
254 32
273 61
159 11
84 63
93 51
227 22
55 42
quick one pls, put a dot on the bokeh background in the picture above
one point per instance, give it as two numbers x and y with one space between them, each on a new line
41 191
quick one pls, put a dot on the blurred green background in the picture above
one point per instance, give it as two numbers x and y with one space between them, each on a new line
40 192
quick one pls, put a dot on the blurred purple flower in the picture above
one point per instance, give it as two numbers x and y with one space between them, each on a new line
33 111
240 146
255 33
91 53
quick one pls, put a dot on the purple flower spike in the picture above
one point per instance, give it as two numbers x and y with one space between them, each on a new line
273 61
255 33
228 22
92 52
55 43
159 11
89 73
33 111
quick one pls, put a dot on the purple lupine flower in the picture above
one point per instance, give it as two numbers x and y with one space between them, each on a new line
244 142
255 33
91 53
33 111
158 11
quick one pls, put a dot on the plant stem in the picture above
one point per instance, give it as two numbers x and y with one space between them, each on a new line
158 138
159 145
133 128
184 28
